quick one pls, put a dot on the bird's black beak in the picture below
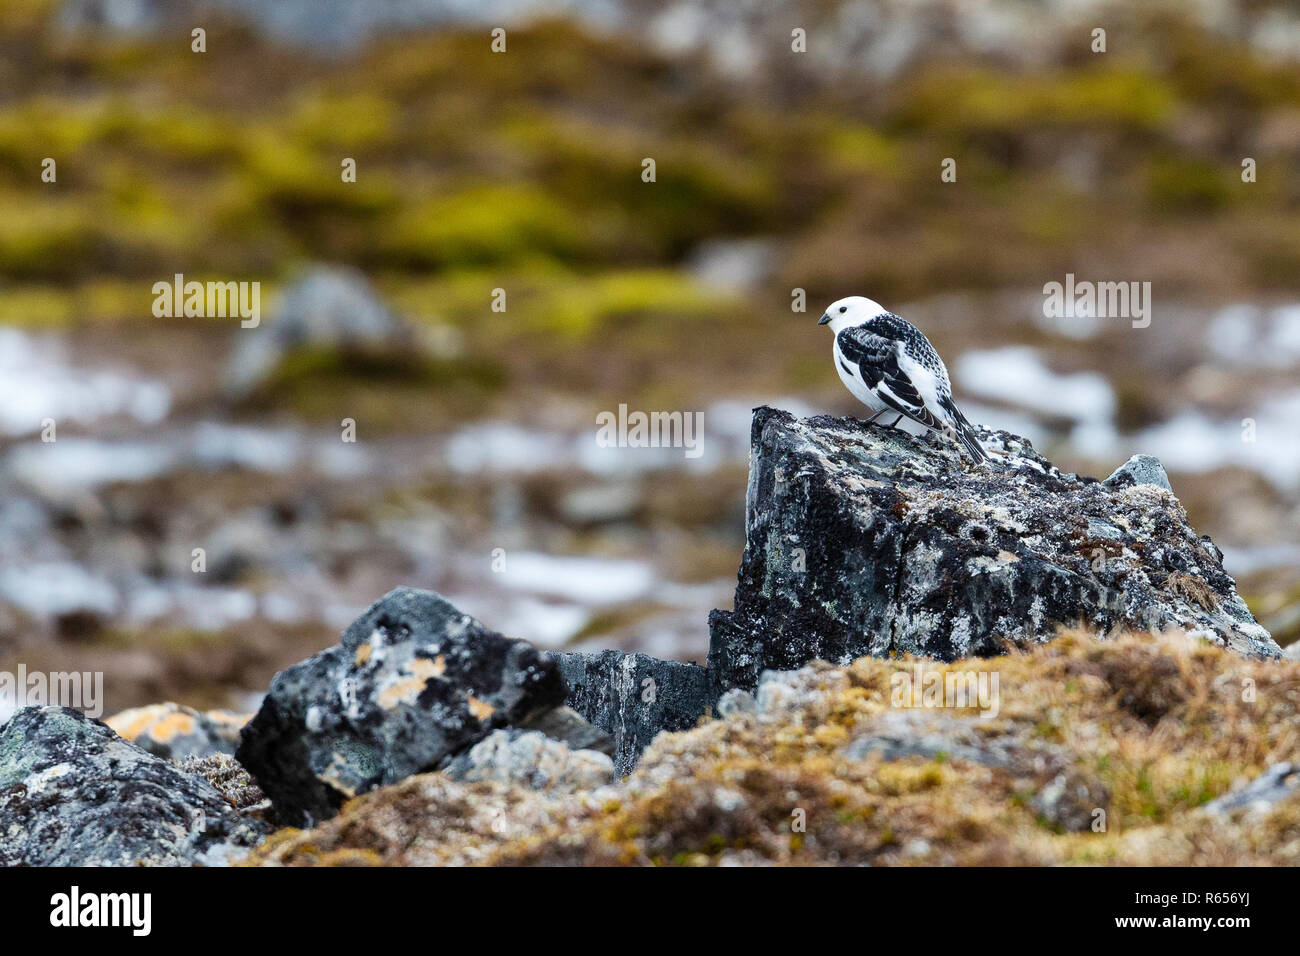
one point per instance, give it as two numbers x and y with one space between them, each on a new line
826 317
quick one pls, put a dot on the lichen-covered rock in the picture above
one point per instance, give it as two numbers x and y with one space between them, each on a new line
862 540
1100 752
176 732
531 759
634 697
74 793
412 683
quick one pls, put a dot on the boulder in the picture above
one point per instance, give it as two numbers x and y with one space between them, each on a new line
74 793
864 540
412 683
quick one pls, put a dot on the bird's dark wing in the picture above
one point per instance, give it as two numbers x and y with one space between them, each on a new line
877 361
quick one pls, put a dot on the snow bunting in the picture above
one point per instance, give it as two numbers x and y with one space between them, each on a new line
891 367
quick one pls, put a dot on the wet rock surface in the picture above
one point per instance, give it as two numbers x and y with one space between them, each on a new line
74 793
861 540
412 683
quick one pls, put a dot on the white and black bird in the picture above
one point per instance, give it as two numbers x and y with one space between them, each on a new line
891 367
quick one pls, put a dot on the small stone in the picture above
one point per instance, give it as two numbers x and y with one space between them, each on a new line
1071 801
1139 470
735 702
533 760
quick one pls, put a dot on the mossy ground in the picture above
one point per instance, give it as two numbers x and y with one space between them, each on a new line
1146 729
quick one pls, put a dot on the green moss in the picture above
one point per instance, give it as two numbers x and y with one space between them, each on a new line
482 225
860 150
1179 185
36 306
45 238
383 393
580 309
983 101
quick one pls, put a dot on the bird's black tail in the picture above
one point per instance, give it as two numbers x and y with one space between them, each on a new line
966 435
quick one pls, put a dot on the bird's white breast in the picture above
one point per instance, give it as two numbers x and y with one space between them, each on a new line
853 380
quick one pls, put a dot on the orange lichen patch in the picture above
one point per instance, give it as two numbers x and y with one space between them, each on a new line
162 722
401 692
173 725
362 655
480 709
130 724
424 668
407 690
226 719
440 665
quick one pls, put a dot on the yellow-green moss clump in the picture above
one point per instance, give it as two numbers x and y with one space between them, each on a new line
1098 753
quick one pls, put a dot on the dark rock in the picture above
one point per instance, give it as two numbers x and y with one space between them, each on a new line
861 540
412 683
74 793
634 697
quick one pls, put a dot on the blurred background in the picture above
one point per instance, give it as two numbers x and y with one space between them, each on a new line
476 469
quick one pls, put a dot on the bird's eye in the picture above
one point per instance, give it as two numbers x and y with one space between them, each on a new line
843 309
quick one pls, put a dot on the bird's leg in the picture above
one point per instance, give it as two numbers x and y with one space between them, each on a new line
875 416
895 422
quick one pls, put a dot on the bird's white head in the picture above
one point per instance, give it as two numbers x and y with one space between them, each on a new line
850 312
